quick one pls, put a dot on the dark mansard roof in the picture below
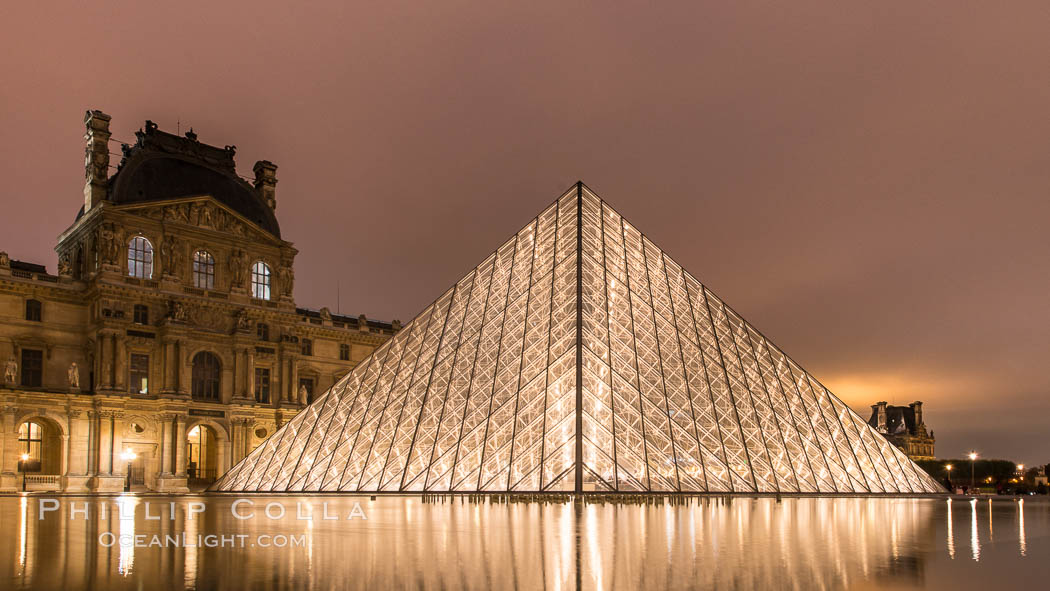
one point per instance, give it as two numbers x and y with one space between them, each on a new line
162 166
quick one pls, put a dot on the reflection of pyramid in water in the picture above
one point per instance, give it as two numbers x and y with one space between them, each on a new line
480 391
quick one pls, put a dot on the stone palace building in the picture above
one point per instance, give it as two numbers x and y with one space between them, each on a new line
167 345
904 427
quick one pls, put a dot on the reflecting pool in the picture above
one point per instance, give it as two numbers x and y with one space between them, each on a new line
338 542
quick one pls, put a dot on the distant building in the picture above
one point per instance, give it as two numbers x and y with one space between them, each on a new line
167 343
904 427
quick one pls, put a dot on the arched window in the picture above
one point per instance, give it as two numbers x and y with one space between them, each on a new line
207 372
140 258
260 281
203 270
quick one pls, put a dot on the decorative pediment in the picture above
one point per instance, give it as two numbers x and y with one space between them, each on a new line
201 212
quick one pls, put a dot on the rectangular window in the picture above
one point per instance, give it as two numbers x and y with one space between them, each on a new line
140 314
139 370
308 347
308 383
203 270
262 385
344 352
262 331
32 368
33 310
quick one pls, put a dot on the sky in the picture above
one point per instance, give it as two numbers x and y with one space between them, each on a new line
867 183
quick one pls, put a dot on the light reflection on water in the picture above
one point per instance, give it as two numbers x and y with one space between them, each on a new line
740 543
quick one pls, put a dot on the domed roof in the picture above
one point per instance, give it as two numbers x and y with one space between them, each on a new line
162 166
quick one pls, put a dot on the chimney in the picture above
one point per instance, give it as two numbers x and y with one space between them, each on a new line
96 158
881 410
266 182
917 407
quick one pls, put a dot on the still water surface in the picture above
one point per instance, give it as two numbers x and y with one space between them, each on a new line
801 543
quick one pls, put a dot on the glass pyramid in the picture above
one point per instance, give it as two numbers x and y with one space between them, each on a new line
578 357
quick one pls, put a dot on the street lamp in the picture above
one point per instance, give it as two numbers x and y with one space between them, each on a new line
128 456
25 458
973 459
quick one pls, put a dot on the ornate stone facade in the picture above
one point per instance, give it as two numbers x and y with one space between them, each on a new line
168 344
905 427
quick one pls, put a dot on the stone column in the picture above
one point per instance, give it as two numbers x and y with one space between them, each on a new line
245 442
250 369
77 477
92 446
8 450
169 365
291 395
96 362
10 441
235 440
119 464
223 456
165 443
242 439
105 442
180 446
106 360
65 454
120 363
78 444
185 369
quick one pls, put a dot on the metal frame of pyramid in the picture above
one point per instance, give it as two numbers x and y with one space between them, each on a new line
578 357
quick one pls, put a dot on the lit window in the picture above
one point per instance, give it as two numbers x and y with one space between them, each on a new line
30 443
32 368
140 314
262 385
344 352
33 310
206 376
140 258
203 270
307 347
139 370
260 281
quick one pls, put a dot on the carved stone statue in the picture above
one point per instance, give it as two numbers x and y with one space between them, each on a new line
109 243
74 376
302 394
286 276
176 311
326 314
11 371
5 261
239 268
169 255
243 322
65 265
205 216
